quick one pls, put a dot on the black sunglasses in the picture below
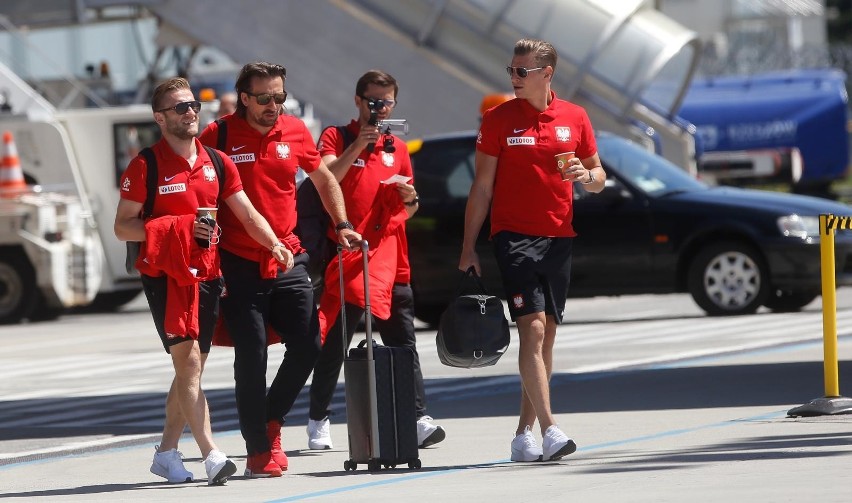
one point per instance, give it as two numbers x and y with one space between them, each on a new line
265 98
521 71
377 104
183 107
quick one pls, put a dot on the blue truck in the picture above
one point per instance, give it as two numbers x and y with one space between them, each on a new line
788 126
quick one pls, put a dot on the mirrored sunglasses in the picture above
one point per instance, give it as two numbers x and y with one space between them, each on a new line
377 104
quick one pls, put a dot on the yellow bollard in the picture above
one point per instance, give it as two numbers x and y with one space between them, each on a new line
832 402
829 307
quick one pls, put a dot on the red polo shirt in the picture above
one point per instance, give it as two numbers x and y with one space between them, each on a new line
529 194
180 189
361 184
267 165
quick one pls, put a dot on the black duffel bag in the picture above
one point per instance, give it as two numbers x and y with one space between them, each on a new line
473 331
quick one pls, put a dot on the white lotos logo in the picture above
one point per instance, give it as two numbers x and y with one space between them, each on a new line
170 189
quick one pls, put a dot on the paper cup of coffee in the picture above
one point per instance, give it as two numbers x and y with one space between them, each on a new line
208 216
206 212
562 164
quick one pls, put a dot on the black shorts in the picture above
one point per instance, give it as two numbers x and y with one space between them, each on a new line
208 309
536 272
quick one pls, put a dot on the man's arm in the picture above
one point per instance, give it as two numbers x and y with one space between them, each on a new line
478 205
128 226
595 172
258 228
332 199
339 166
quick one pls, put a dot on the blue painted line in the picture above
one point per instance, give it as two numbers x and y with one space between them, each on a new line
450 471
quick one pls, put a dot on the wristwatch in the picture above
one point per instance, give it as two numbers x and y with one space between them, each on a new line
413 202
277 245
591 178
344 225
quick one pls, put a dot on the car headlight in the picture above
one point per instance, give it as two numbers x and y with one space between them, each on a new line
799 227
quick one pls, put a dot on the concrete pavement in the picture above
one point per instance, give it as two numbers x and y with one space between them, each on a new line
711 429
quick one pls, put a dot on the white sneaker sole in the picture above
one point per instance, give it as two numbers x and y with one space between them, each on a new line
165 475
519 457
316 445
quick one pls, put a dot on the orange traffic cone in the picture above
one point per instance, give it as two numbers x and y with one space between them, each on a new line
11 174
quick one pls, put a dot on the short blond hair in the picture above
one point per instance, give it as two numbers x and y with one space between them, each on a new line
173 84
543 52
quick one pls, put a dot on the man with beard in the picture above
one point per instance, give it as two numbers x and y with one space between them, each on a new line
263 301
183 293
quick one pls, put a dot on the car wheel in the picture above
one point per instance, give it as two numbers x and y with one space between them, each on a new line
728 278
790 301
18 294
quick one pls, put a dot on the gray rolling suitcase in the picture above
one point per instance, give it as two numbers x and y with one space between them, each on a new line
380 409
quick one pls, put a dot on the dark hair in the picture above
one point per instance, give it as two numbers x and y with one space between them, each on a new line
543 52
173 84
377 78
259 69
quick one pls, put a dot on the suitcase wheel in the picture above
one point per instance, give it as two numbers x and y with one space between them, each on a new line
414 465
350 465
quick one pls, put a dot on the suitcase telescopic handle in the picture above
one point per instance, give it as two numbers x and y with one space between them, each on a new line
368 317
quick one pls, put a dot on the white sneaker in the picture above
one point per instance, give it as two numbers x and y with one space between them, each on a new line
556 444
428 433
169 465
319 434
525 448
218 467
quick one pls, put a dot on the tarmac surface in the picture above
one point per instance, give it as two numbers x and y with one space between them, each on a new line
705 430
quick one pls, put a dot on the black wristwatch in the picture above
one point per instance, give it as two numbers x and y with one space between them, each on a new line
344 225
413 201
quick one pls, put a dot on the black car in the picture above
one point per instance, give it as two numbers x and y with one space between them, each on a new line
653 229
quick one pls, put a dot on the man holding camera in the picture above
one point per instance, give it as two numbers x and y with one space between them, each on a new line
375 175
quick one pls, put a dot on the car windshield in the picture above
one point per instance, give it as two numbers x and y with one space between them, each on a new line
645 170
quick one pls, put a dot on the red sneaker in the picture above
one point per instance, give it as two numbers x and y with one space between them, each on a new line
273 433
261 465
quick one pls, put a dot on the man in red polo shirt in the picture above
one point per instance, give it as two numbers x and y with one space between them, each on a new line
184 294
531 205
379 192
268 147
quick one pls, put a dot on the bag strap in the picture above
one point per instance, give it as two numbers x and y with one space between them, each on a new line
222 137
348 138
219 164
471 272
150 181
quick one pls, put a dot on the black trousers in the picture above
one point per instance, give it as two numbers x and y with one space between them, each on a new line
286 303
397 331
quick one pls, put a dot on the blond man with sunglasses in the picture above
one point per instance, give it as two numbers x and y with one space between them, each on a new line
184 304
268 146
530 203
